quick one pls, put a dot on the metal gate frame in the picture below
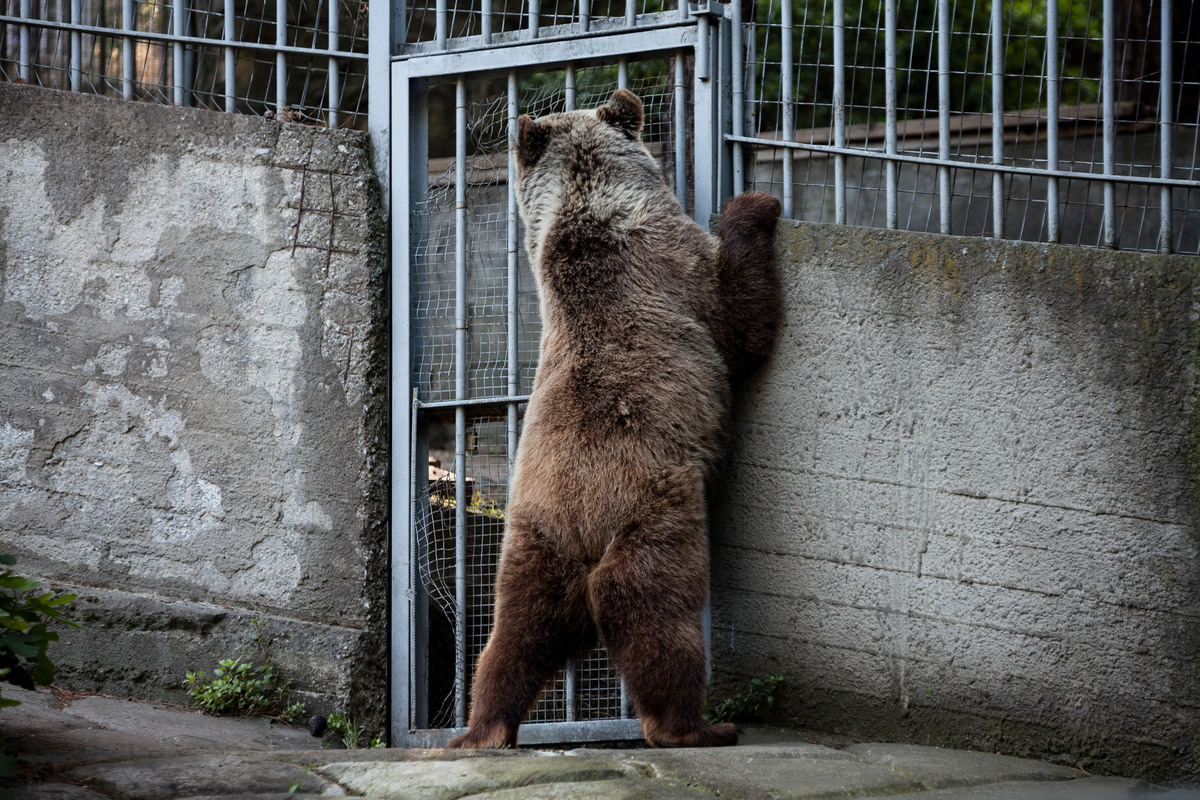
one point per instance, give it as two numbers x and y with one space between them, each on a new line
410 76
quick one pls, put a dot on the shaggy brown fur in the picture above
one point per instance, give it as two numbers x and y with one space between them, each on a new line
645 318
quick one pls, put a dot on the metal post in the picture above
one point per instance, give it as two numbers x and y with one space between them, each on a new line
839 110
179 28
623 73
460 393
1165 120
440 28
737 75
535 18
787 102
25 70
280 59
513 244
128 67
585 15
386 21
230 59
998 54
76 47
1053 88
1108 101
570 688
681 155
485 21
891 168
334 87
569 88
943 39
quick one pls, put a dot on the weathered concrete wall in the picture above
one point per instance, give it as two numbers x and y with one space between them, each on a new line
961 502
191 383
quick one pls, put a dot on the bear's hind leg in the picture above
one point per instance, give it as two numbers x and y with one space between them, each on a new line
647 597
540 620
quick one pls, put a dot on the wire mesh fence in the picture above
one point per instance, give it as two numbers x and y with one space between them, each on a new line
300 60
1070 121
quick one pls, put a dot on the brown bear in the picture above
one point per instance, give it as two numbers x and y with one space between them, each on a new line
646 318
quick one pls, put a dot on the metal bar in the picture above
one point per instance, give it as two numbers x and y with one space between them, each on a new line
630 13
24 69
681 154
76 65
179 27
535 18
998 53
385 22
570 688
460 391
890 167
128 67
1166 113
230 58
706 138
476 402
982 166
737 75
545 51
403 402
440 34
623 73
513 244
568 91
585 15
787 101
485 21
943 40
839 110
332 78
682 7
703 31
171 38
280 58
1108 102
1053 89
596 730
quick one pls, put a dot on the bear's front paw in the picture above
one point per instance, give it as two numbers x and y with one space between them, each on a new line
480 738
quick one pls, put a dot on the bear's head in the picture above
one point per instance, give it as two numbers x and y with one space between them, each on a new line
594 159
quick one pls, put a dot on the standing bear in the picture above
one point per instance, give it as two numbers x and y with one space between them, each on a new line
646 319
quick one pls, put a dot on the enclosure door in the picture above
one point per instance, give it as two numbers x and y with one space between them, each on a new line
466 330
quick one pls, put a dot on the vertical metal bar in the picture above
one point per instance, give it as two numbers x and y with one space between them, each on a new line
513 244
127 57
76 47
705 151
703 29
998 54
403 563
230 59
625 701
839 110
737 76
681 154
943 40
485 21
1053 89
787 99
570 687
1108 101
24 50
630 13
585 15
535 18
682 8
1166 238
440 26
334 87
890 146
179 28
460 393
280 59
623 73
569 88
386 34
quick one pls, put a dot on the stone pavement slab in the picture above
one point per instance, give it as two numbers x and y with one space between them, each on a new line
209 774
937 768
1076 789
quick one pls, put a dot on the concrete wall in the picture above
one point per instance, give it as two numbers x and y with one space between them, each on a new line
191 380
961 502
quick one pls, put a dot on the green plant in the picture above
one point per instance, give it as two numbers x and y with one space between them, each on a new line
751 705
353 734
25 617
239 686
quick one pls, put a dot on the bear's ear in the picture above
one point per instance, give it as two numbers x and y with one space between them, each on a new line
531 141
623 112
